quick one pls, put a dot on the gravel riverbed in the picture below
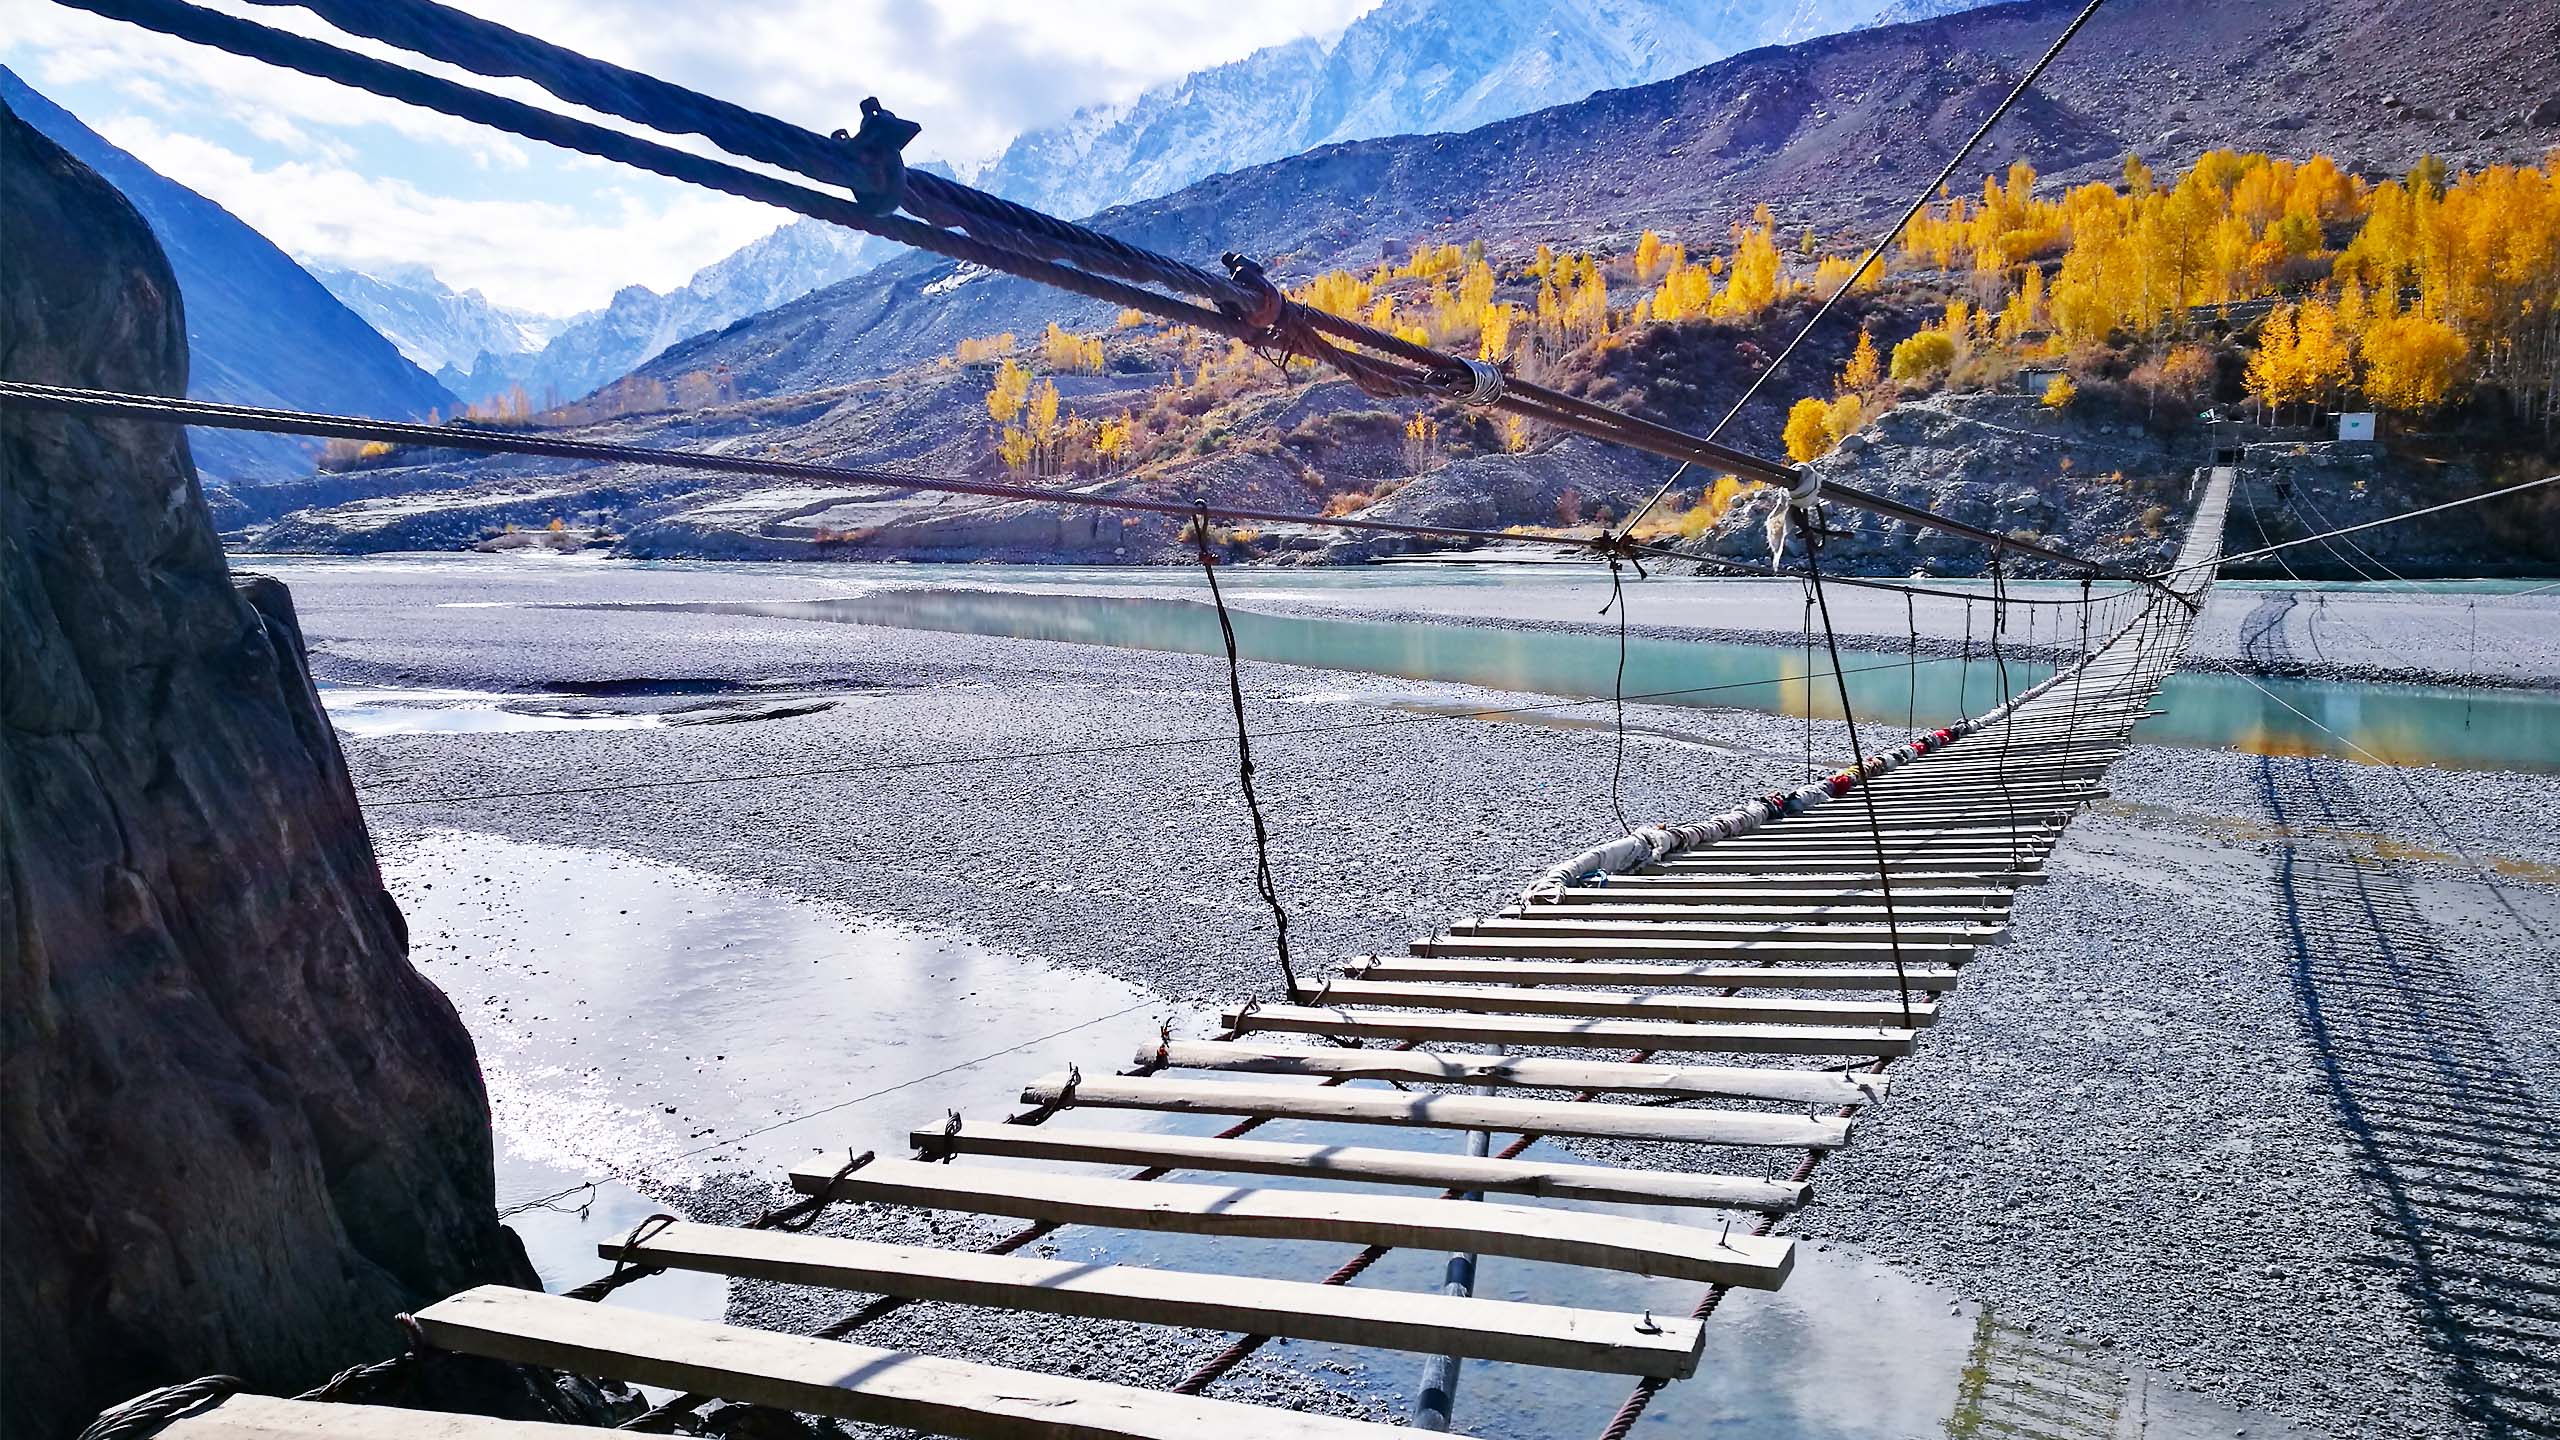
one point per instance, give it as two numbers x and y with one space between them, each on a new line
2154 1121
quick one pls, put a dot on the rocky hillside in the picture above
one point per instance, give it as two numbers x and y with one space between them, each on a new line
1407 67
1833 133
242 1132
260 331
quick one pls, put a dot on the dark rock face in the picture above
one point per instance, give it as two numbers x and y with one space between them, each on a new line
241 1133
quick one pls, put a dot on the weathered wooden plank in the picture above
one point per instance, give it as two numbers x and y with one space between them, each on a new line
1551 1335
1568 1237
1567 1033
264 1417
1663 890
1365 1165
1871 928
1443 1111
1529 947
1641 975
1511 1000
1999 879
844 1381
1735 1082
1634 904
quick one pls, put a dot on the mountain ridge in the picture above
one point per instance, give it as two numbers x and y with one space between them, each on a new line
260 329
1407 66
1835 132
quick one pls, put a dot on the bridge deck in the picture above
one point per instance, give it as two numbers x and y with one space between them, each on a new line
1739 948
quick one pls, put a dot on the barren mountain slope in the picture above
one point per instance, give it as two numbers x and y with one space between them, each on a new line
1834 133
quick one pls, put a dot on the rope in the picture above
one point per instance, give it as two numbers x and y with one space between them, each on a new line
2008 712
461 436
1262 881
1857 761
1875 255
152 1411
1911 618
1618 694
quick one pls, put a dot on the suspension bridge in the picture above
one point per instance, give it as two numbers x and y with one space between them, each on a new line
1744 984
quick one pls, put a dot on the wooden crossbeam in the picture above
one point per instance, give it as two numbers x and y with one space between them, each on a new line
1568 1033
1567 1237
1872 929
1734 1082
844 1381
1552 1335
1367 1165
1641 975
1610 947
1508 1000
1441 1111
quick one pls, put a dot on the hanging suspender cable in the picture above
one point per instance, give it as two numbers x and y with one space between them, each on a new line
1262 881
1618 693
2008 713
1863 783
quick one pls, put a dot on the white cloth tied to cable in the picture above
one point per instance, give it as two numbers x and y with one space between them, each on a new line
1617 857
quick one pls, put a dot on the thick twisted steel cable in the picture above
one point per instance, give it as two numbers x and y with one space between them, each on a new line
441 32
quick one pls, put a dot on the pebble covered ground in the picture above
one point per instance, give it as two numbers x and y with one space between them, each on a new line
2131 1129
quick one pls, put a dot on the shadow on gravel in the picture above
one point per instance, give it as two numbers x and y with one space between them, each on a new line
2458 1159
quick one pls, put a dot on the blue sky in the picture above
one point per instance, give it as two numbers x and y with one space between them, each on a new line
331 173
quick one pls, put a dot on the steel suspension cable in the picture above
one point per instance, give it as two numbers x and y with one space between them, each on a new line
1263 883
1618 695
1858 762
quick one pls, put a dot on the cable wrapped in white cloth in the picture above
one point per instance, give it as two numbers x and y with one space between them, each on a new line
1617 857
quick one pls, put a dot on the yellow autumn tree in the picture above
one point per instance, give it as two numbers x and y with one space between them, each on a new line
1012 387
2411 362
1923 357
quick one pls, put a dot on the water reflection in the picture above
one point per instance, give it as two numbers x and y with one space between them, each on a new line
2404 724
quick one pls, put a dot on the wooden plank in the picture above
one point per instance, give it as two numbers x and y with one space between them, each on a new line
843 1381
1641 975
264 1417
1366 1165
1442 1111
1566 1237
1528 947
1869 929
1568 1033
1738 1082
1662 890
2001 879
1551 1335
1510 1000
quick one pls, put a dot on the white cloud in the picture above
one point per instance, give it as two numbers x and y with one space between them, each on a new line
539 255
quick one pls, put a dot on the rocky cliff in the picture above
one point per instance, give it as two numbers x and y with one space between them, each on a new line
241 1132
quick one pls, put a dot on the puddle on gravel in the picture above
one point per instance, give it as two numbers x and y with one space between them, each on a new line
642 1019
638 1018
371 710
